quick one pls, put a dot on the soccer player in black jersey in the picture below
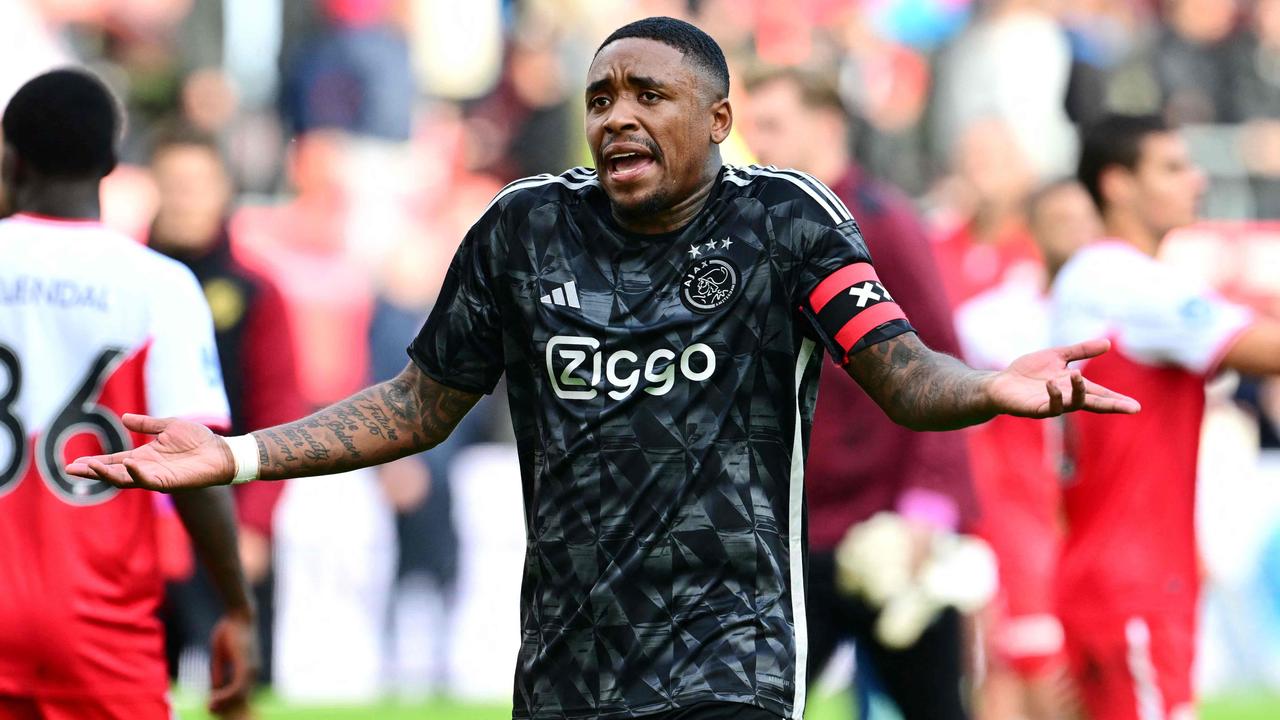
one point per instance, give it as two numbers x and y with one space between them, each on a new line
661 321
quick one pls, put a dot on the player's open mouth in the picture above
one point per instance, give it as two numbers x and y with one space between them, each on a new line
626 164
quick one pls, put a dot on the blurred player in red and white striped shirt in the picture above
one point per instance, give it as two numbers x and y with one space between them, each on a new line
1128 582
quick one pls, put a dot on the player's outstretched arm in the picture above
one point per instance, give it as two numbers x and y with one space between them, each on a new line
925 390
405 415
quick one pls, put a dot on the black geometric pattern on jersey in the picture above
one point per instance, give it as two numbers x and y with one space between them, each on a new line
661 449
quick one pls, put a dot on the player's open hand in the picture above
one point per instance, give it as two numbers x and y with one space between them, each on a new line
233 666
183 455
1040 385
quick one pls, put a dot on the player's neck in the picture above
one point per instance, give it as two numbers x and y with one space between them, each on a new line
1130 229
70 199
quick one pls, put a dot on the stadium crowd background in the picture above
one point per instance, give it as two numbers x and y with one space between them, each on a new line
362 138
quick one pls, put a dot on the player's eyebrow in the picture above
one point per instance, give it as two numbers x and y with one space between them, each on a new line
644 82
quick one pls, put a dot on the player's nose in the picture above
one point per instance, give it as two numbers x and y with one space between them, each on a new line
621 117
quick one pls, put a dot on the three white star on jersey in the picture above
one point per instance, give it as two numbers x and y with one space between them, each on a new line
708 247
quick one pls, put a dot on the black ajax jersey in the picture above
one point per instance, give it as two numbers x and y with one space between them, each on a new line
661 389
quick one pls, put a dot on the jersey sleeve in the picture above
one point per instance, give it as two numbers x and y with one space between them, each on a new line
847 305
1155 313
460 345
183 375
1185 324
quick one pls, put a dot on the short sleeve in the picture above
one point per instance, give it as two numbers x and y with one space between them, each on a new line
1183 323
460 345
840 294
1156 314
183 375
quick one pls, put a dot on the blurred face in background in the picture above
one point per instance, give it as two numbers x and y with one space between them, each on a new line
1062 220
194 193
1267 22
992 166
1164 188
652 120
783 130
1202 21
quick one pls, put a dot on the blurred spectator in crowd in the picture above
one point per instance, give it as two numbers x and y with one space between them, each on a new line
302 246
1012 64
1016 473
861 463
528 123
1194 61
419 486
886 83
1256 78
981 224
256 352
353 75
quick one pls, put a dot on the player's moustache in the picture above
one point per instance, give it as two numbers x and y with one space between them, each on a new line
648 144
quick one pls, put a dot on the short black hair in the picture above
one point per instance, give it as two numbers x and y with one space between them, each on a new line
1114 140
65 123
697 46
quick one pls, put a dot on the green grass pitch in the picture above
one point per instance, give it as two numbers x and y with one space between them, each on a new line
1255 706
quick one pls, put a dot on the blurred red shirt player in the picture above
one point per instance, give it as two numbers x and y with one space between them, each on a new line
93 326
1128 580
1017 468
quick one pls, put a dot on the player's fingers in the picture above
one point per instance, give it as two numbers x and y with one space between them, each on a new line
1122 403
1084 350
111 474
145 423
112 459
1115 403
217 660
232 688
1055 398
141 478
1078 392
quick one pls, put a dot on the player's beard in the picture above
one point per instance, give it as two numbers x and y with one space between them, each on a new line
644 209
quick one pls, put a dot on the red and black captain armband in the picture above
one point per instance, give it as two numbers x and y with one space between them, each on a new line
851 309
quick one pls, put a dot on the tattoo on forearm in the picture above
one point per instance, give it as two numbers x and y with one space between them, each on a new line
918 387
407 414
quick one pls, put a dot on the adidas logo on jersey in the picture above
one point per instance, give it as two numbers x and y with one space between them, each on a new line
563 296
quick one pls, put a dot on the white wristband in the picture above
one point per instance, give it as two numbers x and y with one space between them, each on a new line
244 449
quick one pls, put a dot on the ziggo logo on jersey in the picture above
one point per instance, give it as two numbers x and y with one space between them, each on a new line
581 362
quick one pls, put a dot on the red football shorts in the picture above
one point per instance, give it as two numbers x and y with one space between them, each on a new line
1135 668
110 708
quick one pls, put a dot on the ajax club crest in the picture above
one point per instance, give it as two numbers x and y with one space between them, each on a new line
708 284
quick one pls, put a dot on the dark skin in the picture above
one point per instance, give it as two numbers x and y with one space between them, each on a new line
207 513
643 98
27 190
654 121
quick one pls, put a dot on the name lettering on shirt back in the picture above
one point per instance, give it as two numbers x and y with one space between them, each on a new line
53 292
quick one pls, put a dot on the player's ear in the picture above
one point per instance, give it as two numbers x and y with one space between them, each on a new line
1116 184
721 120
